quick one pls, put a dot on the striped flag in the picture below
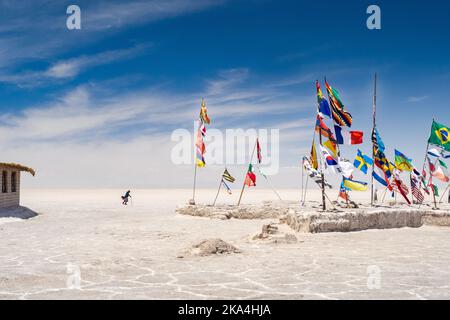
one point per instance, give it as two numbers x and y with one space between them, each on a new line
322 129
200 150
415 190
227 176
348 137
314 174
340 116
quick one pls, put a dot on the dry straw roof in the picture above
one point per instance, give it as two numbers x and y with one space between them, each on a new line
17 167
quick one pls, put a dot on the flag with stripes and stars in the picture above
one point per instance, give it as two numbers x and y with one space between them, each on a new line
227 176
415 190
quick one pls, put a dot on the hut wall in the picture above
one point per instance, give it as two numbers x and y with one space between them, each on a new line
9 199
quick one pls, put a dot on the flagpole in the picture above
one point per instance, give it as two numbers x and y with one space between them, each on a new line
410 184
374 113
243 185
443 194
192 202
270 185
218 190
321 171
301 196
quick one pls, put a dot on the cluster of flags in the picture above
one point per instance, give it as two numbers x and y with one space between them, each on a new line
200 148
334 109
384 171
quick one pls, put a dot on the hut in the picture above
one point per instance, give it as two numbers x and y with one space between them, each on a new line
10 184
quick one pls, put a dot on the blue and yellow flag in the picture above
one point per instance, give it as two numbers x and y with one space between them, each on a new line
355 185
362 162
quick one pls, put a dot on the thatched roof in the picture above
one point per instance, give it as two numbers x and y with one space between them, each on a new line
17 167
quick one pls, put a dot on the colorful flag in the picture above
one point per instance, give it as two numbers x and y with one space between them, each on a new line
202 129
362 162
250 179
380 176
340 116
440 136
439 171
376 140
331 164
226 186
321 128
330 145
415 190
258 151
355 185
314 162
324 107
343 192
434 153
402 162
348 137
315 175
401 187
227 176
200 150
204 113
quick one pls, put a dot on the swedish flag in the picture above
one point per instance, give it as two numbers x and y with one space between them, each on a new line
362 162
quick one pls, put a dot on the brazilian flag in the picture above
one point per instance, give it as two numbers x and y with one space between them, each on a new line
440 136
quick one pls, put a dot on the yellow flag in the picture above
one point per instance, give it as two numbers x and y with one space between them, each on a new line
332 147
314 162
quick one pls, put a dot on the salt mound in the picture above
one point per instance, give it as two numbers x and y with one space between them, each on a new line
209 247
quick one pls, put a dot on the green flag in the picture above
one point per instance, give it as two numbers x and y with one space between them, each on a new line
440 135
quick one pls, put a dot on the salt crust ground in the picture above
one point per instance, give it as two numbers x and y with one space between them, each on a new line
131 253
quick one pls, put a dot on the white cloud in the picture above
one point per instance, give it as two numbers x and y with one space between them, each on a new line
85 139
417 98
70 68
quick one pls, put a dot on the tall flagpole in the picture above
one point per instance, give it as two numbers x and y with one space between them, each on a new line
243 185
324 207
423 169
374 111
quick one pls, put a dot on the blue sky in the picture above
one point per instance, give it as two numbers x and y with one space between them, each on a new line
96 107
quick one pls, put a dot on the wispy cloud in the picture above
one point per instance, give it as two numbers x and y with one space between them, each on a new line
417 98
66 69
83 124
24 25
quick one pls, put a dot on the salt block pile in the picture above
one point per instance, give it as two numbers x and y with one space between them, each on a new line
209 247
274 233
266 210
310 219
